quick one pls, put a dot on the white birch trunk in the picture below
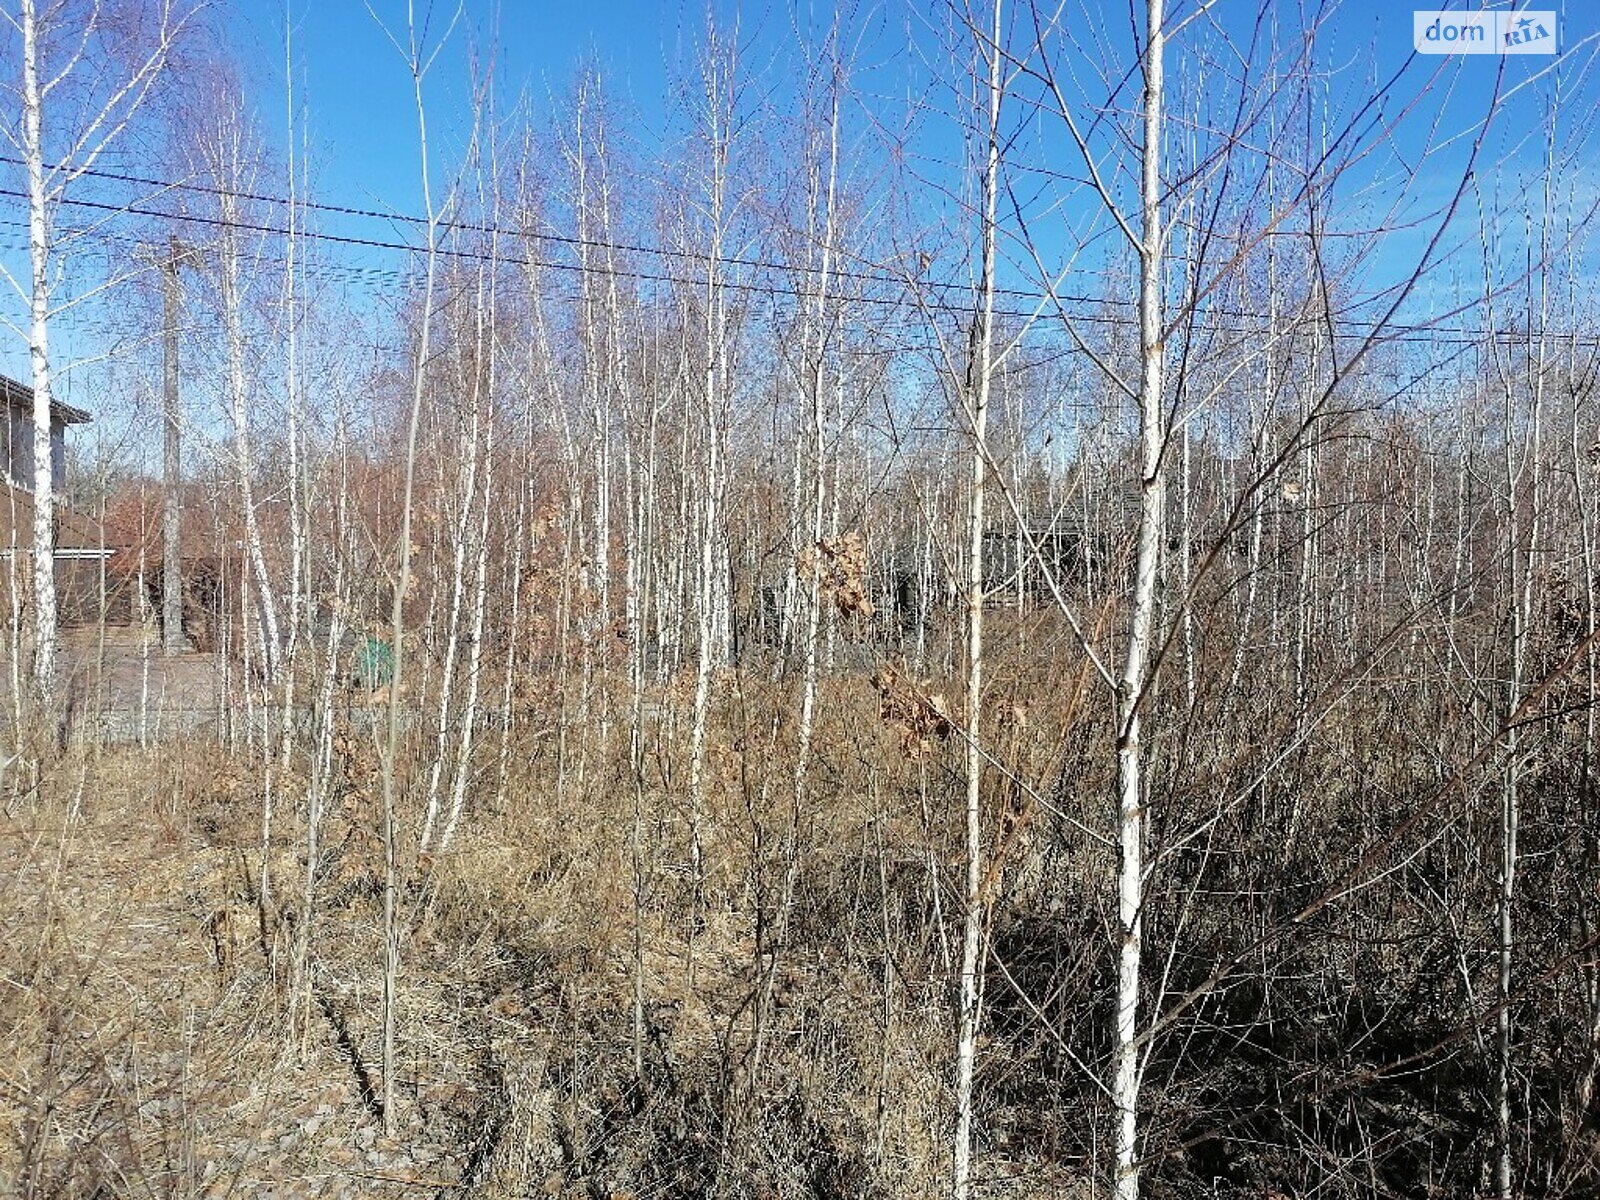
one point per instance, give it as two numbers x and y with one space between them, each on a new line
397 622
1127 1073
975 399
711 562
238 406
44 538
467 452
172 638
480 582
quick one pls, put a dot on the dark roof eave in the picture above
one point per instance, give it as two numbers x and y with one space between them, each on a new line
20 393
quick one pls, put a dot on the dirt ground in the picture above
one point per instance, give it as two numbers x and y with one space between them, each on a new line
120 688
127 670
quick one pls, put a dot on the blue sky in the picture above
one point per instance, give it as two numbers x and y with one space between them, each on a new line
361 126
357 93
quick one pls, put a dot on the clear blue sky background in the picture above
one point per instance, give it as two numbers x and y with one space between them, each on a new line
363 132
360 123
357 93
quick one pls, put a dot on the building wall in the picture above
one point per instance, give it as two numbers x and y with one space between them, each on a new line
80 551
74 530
16 455
16 448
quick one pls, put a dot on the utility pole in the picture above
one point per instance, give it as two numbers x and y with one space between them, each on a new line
172 639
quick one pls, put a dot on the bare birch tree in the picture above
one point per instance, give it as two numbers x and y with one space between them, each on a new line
61 140
419 58
974 395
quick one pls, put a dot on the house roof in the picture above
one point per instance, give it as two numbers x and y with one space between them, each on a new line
20 395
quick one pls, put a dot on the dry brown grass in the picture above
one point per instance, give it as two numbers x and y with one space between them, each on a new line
149 1049
793 1022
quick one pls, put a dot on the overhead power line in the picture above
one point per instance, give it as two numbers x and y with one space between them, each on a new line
1042 302
880 276
471 255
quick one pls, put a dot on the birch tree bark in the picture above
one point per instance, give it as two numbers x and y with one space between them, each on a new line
710 587
74 131
230 164
418 60
975 400
44 537
172 636
1127 1070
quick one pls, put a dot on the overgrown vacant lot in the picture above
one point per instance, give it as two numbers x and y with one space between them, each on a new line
937 600
577 1018
164 1049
